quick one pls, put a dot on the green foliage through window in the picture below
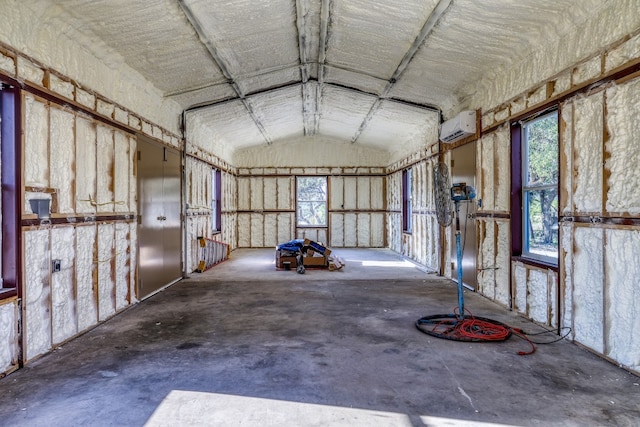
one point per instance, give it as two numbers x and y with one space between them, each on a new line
311 201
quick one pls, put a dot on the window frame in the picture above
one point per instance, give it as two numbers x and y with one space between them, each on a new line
216 205
407 205
325 202
520 190
10 137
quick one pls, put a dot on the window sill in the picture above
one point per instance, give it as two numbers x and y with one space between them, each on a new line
8 293
535 262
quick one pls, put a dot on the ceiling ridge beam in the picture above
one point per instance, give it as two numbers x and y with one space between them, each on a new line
426 29
325 14
307 102
213 52
301 25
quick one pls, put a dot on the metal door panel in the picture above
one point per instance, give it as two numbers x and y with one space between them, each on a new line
159 226
171 224
463 169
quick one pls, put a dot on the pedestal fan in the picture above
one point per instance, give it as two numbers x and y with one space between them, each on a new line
458 325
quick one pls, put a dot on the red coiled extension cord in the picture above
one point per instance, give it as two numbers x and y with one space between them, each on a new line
471 328
481 330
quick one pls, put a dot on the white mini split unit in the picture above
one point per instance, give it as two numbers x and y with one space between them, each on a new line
461 126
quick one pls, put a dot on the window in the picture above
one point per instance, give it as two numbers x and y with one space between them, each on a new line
311 197
215 200
10 201
406 200
538 187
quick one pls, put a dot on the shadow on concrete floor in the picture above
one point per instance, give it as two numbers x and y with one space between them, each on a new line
244 344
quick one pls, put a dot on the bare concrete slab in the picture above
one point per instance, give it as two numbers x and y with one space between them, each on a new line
246 344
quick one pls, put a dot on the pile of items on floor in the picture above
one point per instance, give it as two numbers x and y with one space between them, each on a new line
302 253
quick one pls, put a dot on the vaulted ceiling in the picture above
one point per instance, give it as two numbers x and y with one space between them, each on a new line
372 72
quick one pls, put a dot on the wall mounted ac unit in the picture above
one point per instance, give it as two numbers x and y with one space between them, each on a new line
462 125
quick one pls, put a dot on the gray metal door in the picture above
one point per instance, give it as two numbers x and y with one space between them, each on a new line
159 209
171 225
463 169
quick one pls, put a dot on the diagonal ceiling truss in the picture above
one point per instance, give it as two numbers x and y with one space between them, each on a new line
372 72
193 20
428 26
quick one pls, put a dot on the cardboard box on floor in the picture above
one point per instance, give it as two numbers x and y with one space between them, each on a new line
317 247
317 255
313 259
290 262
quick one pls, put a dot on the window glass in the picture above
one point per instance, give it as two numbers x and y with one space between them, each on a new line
406 200
215 200
311 201
540 188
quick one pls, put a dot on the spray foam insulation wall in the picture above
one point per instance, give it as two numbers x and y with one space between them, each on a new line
93 284
585 133
623 105
198 220
8 334
567 54
41 32
312 152
622 296
86 276
421 249
600 179
199 195
494 180
422 244
62 148
86 169
273 194
534 293
494 254
600 261
394 215
361 196
63 301
266 206
67 151
601 298
37 294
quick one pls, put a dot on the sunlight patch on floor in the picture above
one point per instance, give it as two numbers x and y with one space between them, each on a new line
191 408
389 264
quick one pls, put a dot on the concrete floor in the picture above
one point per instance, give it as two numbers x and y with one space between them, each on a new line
244 344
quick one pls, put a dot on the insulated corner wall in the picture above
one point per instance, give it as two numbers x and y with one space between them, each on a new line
422 244
356 211
492 218
266 208
199 196
599 249
94 281
9 321
84 167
